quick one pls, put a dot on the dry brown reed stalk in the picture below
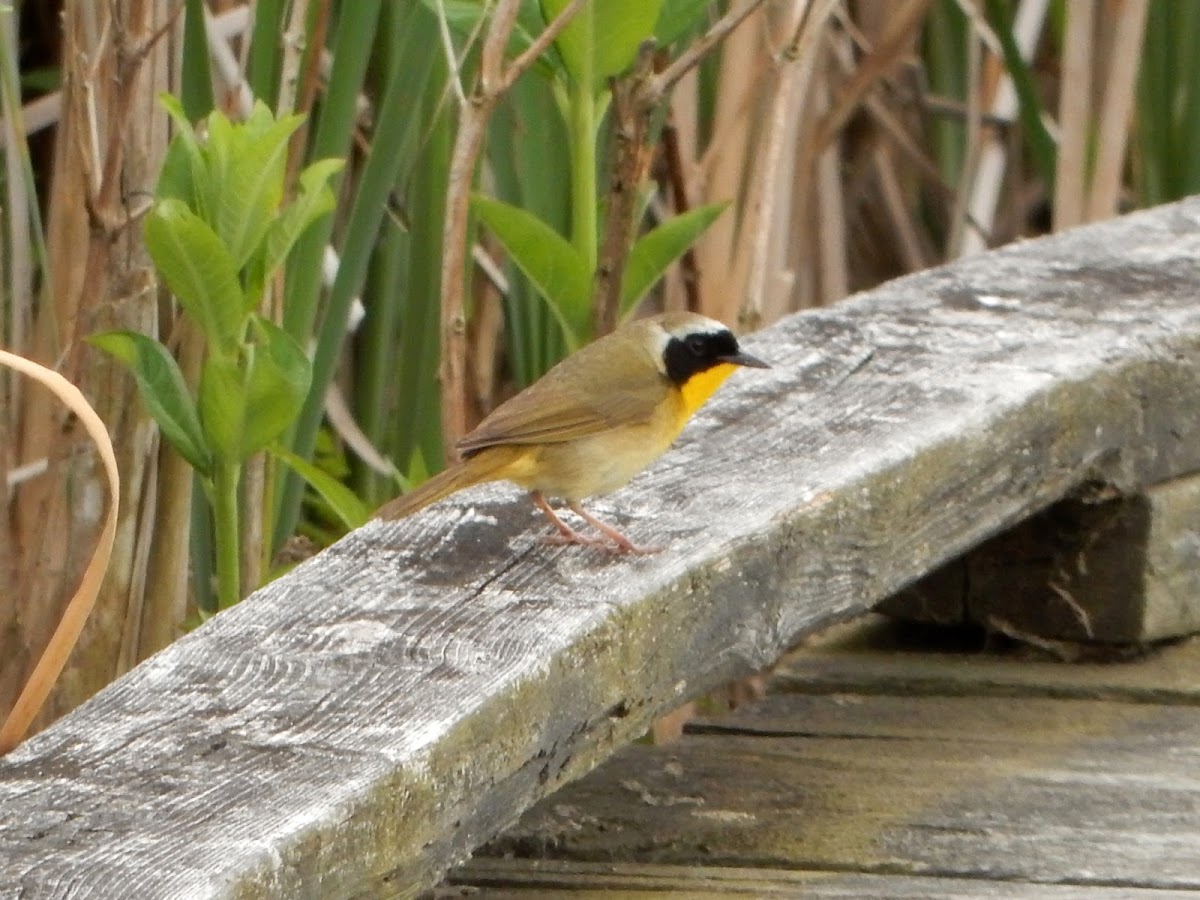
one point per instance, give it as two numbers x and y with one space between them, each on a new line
911 246
687 269
45 111
1127 19
155 623
682 118
631 120
786 87
58 648
886 161
495 77
117 57
300 77
895 41
19 246
726 160
783 246
787 246
830 234
1074 114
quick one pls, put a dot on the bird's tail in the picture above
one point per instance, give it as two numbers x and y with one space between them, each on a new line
488 466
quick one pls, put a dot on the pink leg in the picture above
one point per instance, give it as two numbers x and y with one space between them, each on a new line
566 534
624 544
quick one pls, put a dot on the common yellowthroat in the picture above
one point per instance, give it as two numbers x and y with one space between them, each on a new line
593 421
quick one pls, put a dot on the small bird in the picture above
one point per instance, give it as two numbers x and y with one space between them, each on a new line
593 421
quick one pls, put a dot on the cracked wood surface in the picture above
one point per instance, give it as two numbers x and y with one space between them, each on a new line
362 723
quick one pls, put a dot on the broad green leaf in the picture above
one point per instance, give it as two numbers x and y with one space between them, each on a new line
351 510
619 29
174 109
163 390
175 179
184 173
251 185
260 120
221 147
575 42
653 252
313 200
556 268
604 36
677 18
277 384
197 269
223 405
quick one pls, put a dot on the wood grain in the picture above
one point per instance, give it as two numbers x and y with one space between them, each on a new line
359 725
1010 790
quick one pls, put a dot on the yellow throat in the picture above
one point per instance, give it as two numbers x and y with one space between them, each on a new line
697 389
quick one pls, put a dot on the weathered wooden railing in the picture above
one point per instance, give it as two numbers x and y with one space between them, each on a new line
359 725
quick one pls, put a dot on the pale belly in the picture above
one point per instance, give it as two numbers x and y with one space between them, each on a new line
597 464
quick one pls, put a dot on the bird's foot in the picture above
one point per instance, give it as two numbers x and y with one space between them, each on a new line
563 539
633 549
607 546
620 543
615 543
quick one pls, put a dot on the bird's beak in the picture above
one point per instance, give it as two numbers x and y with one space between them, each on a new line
744 359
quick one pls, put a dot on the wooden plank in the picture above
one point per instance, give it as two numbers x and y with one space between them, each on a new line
360 724
879 656
520 879
1123 570
1089 793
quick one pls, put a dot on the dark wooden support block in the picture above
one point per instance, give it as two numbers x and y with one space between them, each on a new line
1123 570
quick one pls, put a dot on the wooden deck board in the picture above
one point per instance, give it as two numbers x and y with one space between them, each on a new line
975 788
507 879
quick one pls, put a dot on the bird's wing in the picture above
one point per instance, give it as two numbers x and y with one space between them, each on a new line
554 410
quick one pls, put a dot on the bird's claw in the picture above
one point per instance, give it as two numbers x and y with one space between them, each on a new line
559 539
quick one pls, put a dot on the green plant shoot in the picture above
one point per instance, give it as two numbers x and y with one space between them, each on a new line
217 232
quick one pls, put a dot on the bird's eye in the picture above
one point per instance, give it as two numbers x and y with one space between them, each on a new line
696 344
